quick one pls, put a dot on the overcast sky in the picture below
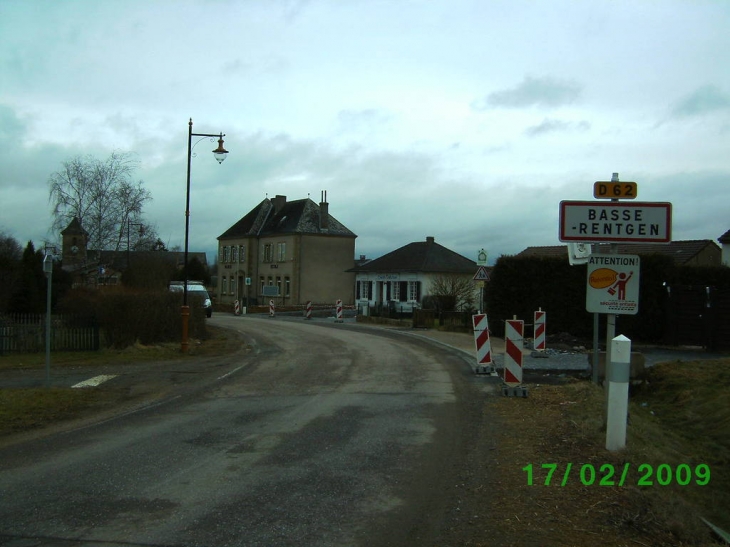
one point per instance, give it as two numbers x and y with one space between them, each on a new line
466 120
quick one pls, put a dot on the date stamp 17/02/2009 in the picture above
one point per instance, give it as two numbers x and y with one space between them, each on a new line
608 474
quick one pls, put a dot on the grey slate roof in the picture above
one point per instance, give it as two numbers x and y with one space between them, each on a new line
299 216
680 251
724 238
420 256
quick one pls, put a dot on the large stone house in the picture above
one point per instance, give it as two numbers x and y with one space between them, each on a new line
288 251
404 277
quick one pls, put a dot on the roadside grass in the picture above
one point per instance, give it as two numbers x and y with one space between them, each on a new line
23 409
218 342
679 417
26 409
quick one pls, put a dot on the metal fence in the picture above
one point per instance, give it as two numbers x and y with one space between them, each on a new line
26 333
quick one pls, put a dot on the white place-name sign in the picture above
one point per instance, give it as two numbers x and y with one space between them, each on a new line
616 221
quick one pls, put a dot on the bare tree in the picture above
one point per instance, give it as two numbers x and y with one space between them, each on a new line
102 196
452 292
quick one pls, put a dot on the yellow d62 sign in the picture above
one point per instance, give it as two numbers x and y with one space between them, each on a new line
615 190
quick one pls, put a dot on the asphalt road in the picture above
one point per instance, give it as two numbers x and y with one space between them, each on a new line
320 434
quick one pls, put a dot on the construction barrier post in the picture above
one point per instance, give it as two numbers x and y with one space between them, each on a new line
618 393
482 343
513 343
236 308
539 345
338 304
308 311
272 308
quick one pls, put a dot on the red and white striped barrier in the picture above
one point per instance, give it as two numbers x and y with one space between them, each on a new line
308 312
513 341
272 308
338 306
482 343
539 325
237 308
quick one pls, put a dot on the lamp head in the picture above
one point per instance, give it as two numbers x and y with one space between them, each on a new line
220 152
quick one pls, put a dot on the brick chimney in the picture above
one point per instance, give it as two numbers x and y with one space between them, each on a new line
324 212
429 239
278 202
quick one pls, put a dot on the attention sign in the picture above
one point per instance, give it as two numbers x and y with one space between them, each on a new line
616 221
613 284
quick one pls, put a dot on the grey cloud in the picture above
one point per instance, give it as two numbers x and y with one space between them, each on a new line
551 126
359 119
706 99
545 92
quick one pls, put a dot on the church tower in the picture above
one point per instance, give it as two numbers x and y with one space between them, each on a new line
73 243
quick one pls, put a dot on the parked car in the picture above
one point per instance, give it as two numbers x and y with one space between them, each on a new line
197 289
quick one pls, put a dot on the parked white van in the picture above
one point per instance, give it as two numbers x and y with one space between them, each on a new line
195 288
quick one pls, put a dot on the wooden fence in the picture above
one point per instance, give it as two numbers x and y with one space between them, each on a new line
26 333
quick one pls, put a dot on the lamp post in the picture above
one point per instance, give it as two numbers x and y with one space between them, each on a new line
220 155
48 271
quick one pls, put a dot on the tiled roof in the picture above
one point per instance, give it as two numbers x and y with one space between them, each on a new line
680 251
420 256
299 216
724 238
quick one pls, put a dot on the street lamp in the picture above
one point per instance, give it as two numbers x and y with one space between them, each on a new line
219 154
48 271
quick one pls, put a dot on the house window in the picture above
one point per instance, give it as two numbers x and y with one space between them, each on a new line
262 281
242 253
224 285
287 286
414 291
395 291
234 253
270 281
278 283
281 252
364 290
226 254
268 252
403 291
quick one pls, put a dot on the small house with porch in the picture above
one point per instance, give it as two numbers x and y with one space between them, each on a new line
403 278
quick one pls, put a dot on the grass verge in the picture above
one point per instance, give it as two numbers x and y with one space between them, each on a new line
24 409
679 418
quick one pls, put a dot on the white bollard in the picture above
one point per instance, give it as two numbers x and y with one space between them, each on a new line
618 393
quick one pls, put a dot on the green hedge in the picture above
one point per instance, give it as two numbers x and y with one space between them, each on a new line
521 285
127 316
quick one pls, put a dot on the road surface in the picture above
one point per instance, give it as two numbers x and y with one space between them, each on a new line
319 434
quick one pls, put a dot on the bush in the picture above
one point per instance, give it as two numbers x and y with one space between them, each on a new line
127 316
521 285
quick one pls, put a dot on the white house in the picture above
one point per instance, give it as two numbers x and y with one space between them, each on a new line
724 240
403 278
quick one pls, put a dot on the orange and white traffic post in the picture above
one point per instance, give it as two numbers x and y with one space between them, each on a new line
272 308
338 306
482 343
513 342
308 311
539 334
